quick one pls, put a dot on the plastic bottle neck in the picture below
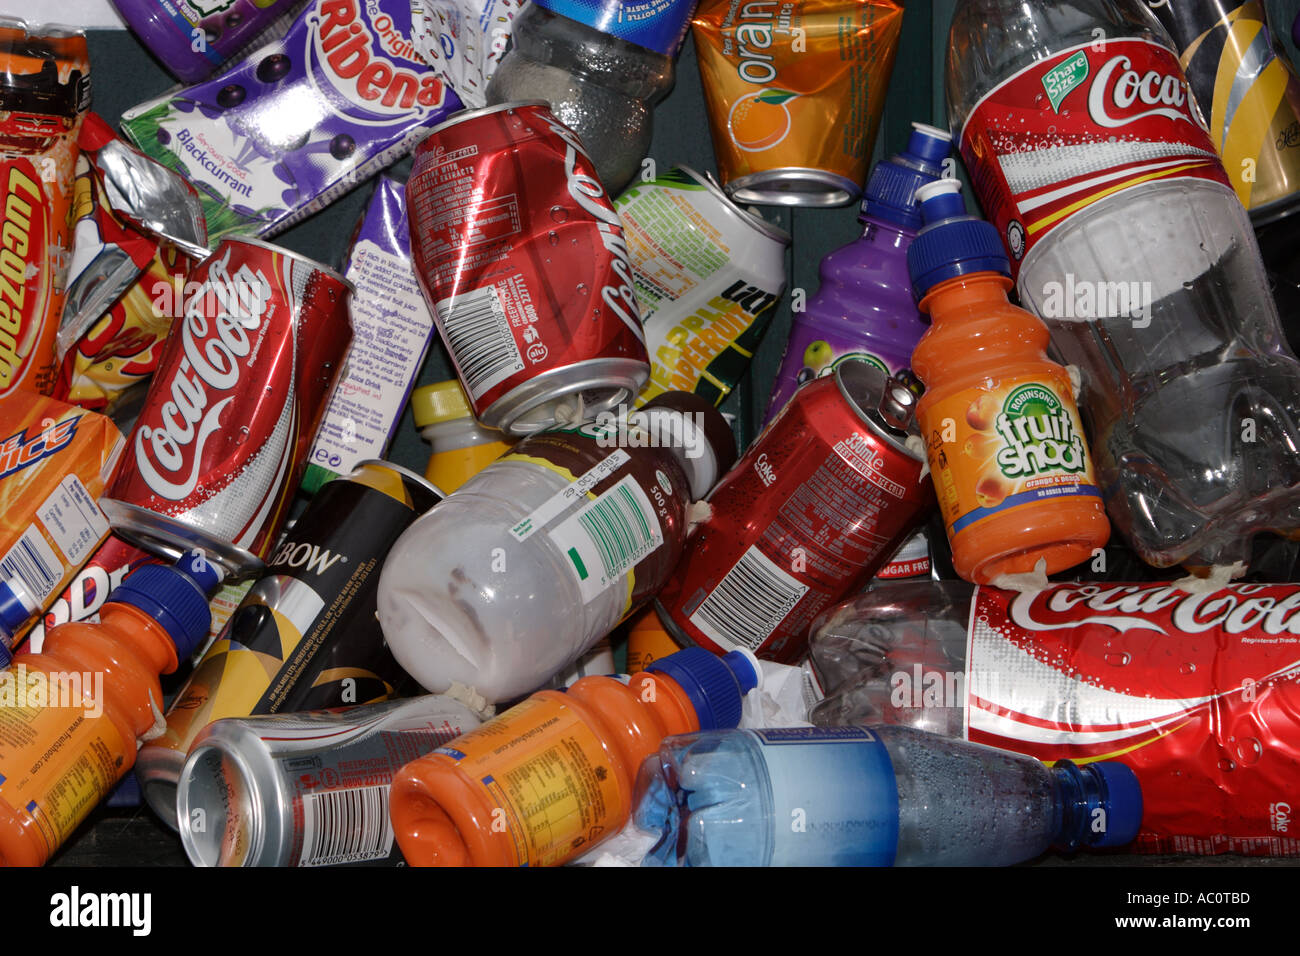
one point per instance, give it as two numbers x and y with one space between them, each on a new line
886 232
978 288
1083 810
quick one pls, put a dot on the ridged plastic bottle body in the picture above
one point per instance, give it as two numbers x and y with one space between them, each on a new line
601 87
727 798
1201 330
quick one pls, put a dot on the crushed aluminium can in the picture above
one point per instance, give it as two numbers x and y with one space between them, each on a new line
1249 94
817 504
305 637
222 441
708 277
795 91
307 789
521 254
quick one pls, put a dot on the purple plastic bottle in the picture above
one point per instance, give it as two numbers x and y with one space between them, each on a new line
864 307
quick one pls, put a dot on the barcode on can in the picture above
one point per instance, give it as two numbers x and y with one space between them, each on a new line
477 333
346 826
609 536
33 563
749 603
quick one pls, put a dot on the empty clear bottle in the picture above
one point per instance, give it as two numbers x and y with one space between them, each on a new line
601 72
880 796
1091 157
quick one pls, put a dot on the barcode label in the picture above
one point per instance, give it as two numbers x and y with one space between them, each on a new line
33 562
346 826
478 336
604 540
749 603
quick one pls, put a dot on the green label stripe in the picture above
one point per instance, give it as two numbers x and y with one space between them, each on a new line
577 563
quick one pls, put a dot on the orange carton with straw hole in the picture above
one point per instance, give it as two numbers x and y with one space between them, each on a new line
55 462
795 89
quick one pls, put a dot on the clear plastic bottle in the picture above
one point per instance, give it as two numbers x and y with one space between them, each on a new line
1093 160
540 555
880 796
601 75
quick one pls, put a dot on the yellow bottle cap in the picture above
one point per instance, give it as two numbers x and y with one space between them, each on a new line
444 402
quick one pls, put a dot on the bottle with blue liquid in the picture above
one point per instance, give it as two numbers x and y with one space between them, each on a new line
878 796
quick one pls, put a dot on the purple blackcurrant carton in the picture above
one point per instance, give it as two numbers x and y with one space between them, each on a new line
392 329
301 121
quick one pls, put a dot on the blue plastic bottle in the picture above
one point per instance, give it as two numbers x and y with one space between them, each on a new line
884 796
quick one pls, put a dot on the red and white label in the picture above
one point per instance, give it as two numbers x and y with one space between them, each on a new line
1197 693
520 252
1071 130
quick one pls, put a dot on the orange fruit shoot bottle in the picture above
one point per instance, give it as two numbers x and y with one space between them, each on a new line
1005 442
70 716
549 779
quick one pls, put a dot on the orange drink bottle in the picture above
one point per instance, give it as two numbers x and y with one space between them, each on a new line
1005 442
71 716
553 776
648 641
795 92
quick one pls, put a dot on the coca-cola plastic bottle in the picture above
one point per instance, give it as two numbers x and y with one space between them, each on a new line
1088 152
1198 692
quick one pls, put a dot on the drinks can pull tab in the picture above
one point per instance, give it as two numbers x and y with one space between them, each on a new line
897 405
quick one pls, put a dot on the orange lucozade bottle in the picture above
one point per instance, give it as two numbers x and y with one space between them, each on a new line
71 715
547 780
1005 442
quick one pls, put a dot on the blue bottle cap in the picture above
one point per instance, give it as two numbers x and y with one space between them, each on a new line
715 685
952 243
1103 804
176 596
1122 796
891 192
17 607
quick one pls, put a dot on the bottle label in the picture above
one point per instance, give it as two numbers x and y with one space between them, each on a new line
1196 692
658 25
1016 444
619 523
548 776
1078 127
59 756
834 797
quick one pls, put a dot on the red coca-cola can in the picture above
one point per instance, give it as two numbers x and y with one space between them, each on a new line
221 443
522 259
822 499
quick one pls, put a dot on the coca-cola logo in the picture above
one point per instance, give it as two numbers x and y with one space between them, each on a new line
214 337
1121 95
1242 608
588 193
